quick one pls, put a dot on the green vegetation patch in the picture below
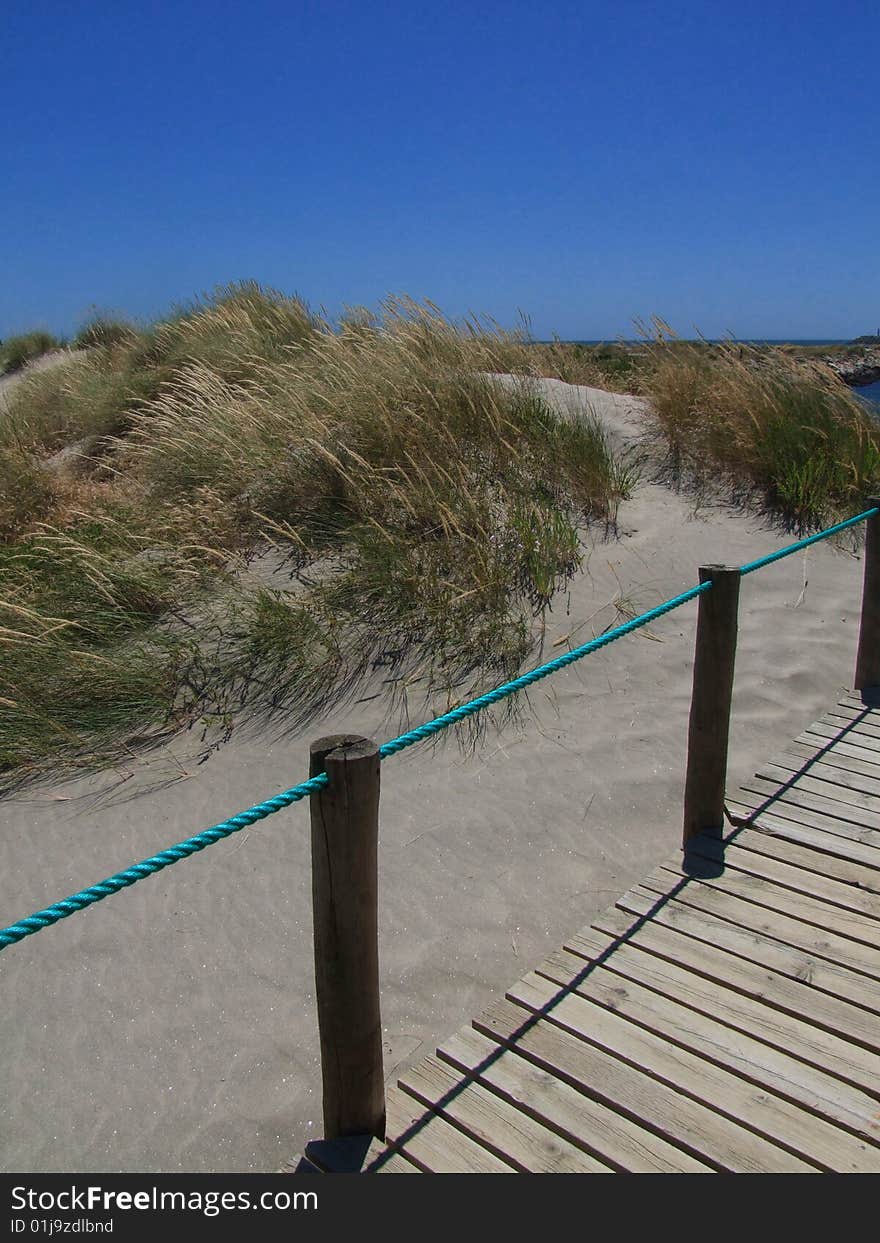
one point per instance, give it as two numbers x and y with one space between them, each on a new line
16 352
765 424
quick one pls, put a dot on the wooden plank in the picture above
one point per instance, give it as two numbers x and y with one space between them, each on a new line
839 756
853 699
822 780
781 821
860 733
699 1129
858 728
793 876
740 928
854 708
508 1132
855 723
710 1062
725 900
433 1144
812 858
837 813
832 1057
793 825
791 996
850 717
842 874
862 932
704 1081
830 742
784 767
807 809
614 1137
853 704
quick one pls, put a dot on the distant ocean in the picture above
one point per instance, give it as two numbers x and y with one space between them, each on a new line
718 341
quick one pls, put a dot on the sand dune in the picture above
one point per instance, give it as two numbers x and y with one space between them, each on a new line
172 1027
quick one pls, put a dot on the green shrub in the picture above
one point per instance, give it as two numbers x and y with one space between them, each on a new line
16 352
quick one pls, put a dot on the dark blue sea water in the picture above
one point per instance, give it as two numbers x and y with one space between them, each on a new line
870 393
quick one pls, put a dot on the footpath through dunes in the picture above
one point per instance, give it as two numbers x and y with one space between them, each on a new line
172 1027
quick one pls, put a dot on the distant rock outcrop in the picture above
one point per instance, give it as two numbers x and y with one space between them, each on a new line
859 369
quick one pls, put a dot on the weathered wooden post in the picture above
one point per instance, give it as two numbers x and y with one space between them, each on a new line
345 833
709 726
868 658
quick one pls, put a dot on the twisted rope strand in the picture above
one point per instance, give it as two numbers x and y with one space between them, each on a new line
751 566
148 867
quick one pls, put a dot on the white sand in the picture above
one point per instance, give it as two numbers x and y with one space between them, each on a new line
172 1027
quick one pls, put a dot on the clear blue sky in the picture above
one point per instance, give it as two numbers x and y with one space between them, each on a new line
586 162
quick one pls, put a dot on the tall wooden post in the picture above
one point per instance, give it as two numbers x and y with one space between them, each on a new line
345 832
868 658
709 726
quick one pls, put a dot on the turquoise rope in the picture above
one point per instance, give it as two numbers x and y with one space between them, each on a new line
805 543
86 897
148 867
518 684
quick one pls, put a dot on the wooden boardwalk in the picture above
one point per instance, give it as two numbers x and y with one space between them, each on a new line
723 1015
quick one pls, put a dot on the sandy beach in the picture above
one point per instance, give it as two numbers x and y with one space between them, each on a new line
172 1027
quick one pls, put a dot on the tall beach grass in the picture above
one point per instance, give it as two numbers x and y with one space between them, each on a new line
243 509
762 423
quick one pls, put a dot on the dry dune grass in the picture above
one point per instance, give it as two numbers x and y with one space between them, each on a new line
425 513
762 423
242 507
614 366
